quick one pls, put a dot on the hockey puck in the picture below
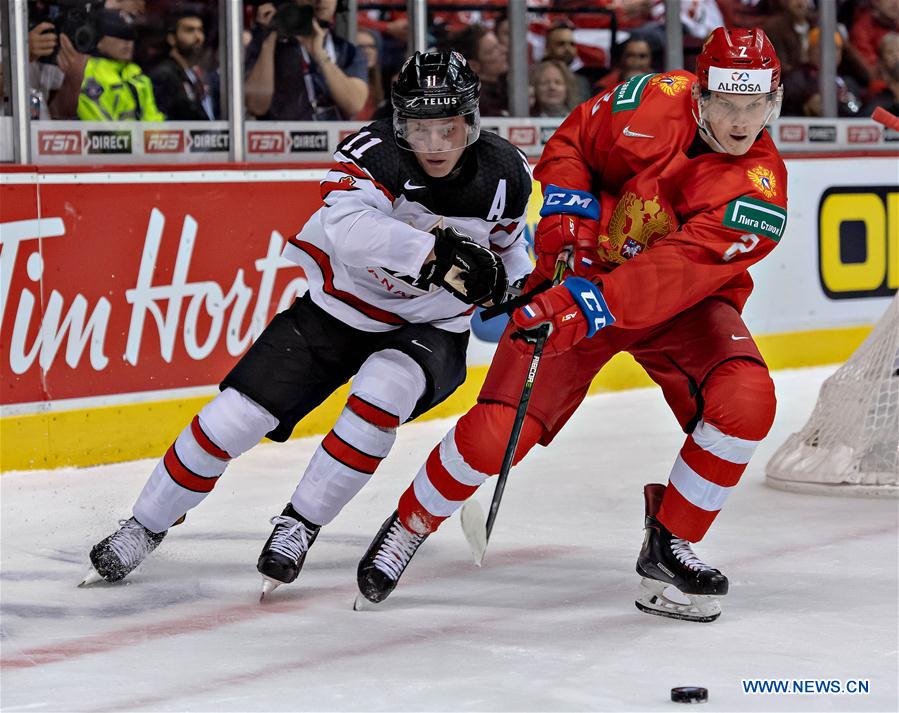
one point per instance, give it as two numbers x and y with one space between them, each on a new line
689 694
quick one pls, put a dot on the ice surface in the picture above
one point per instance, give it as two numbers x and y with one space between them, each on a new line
548 624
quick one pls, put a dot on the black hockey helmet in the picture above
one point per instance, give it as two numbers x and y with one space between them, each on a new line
435 85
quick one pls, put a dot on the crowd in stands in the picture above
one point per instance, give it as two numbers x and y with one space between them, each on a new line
159 60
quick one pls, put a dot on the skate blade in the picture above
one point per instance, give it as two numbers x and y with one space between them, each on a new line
655 599
474 526
269 585
92 577
364 604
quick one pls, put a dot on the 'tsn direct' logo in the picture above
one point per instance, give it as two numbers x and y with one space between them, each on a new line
59 142
163 142
266 142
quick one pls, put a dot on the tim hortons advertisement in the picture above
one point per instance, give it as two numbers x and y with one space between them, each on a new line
140 286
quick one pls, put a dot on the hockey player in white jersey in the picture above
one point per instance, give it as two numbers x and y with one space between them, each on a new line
422 220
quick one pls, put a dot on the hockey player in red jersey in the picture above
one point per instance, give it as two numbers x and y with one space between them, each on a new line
666 189
422 218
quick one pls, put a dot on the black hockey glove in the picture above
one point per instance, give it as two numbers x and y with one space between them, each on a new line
470 272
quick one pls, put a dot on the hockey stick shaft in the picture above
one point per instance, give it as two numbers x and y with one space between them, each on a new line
542 333
509 456
509 306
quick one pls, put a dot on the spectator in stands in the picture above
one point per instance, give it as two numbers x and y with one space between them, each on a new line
870 24
788 31
554 90
132 10
801 95
501 28
177 82
44 77
635 59
393 26
368 42
314 76
885 89
560 45
745 13
108 86
490 61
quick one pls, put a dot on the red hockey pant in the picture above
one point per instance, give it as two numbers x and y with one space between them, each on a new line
711 374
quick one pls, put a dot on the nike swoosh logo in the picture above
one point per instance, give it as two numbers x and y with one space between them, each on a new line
636 134
409 186
419 344
736 338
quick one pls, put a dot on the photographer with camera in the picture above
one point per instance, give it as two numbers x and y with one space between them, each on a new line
44 77
107 85
297 69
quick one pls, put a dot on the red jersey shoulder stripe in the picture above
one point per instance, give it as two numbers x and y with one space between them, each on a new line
351 169
347 183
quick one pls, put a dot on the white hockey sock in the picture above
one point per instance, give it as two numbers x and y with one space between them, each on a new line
226 427
383 395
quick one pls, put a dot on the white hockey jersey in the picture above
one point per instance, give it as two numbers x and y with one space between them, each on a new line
363 250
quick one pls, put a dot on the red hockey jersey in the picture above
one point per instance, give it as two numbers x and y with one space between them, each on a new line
674 229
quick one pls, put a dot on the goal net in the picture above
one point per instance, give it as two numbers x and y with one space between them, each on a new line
850 445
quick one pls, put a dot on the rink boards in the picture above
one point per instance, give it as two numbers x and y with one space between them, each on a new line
127 294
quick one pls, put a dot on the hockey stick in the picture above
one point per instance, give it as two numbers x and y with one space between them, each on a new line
882 116
510 305
477 532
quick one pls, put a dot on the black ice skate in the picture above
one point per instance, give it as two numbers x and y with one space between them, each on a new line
117 555
385 561
665 561
285 551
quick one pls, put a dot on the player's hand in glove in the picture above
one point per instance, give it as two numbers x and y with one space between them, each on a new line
569 219
470 272
574 309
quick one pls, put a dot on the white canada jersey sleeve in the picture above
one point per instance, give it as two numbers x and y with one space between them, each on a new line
363 250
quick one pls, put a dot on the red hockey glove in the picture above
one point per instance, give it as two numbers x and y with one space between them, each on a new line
575 309
569 218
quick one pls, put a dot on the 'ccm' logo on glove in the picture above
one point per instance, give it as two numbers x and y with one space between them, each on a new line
570 201
592 303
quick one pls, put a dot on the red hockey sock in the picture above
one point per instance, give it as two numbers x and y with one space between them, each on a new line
739 406
465 458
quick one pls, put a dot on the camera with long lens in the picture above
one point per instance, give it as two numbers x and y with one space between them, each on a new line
79 20
293 20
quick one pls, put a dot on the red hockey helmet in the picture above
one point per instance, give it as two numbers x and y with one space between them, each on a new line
737 61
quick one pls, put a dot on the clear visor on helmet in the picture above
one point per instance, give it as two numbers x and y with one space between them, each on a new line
437 135
750 110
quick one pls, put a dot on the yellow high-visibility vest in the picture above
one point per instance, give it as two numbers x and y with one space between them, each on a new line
113 90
